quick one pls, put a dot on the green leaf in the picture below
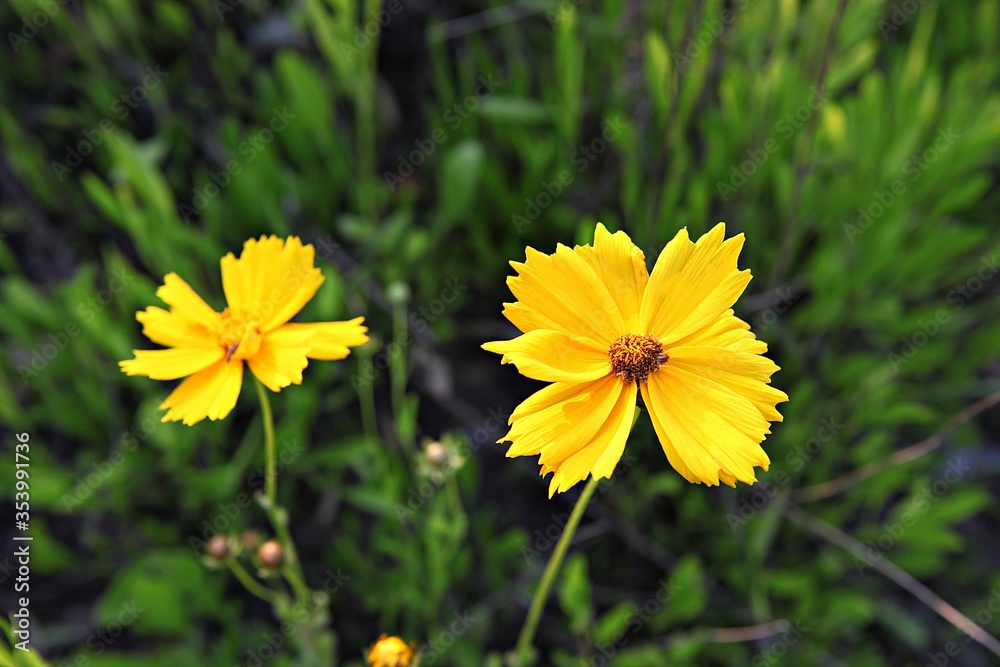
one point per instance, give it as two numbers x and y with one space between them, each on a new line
515 110
574 593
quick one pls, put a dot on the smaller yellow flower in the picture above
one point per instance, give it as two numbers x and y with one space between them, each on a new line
270 282
391 652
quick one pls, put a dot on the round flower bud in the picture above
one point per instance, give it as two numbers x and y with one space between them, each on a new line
436 455
250 539
398 293
218 548
391 652
271 555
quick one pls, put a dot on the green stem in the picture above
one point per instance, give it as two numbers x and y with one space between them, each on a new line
250 583
292 568
369 419
523 649
312 639
271 469
397 370
455 498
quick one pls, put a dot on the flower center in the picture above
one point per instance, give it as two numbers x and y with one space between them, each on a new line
634 357
239 335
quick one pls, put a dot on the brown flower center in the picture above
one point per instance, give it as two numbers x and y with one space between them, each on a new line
634 357
239 335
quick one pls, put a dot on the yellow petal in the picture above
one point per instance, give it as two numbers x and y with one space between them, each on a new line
553 356
577 429
563 288
332 340
527 319
184 302
692 285
745 374
235 282
729 332
621 266
563 416
282 357
272 280
167 328
704 427
600 457
210 393
249 280
557 392
663 434
173 363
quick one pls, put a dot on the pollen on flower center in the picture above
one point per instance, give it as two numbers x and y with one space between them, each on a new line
240 335
634 357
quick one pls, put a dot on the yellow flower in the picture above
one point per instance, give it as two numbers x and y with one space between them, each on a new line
272 280
602 330
391 652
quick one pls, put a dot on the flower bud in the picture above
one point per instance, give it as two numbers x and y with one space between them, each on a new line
250 539
391 652
271 555
436 455
218 548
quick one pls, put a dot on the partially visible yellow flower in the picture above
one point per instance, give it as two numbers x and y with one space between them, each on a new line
272 280
603 330
391 652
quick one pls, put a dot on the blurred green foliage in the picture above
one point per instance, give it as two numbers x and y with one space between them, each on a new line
856 147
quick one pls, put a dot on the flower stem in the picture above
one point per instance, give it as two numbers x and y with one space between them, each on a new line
271 466
250 583
309 614
524 640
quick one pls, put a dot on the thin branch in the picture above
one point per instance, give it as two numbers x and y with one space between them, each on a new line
747 633
892 571
490 18
733 635
926 446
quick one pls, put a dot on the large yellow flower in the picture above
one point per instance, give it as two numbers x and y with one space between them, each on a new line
272 280
602 330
